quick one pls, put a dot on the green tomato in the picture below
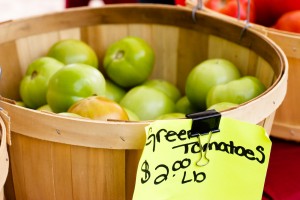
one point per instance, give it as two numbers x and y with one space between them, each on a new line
206 75
183 105
68 114
222 106
73 83
131 115
70 51
236 91
46 108
147 103
166 87
33 86
129 61
20 103
113 91
174 115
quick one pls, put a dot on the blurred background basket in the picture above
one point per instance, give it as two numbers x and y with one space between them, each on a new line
55 157
287 119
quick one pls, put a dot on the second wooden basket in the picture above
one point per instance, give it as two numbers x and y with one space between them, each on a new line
287 119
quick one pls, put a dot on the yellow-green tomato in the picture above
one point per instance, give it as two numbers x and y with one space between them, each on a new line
33 86
131 115
73 83
147 103
183 105
166 87
205 75
129 61
99 108
70 51
68 114
45 108
222 106
236 91
113 91
20 103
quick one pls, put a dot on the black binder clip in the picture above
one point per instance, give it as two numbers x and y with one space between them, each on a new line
206 122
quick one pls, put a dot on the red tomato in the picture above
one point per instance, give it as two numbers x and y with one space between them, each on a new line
289 21
268 11
230 8
180 2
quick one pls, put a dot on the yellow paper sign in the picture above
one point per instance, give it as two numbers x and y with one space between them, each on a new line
238 159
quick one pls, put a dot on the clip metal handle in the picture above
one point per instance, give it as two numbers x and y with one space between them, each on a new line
203 123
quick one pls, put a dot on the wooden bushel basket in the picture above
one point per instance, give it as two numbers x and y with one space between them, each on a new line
4 140
287 120
55 157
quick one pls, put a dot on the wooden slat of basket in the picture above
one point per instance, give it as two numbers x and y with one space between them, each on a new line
165 40
132 160
36 178
16 162
192 49
4 140
62 167
264 72
94 168
3 163
9 58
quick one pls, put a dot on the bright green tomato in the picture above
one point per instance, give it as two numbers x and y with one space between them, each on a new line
174 115
222 106
70 51
236 91
113 91
147 103
204 76
34 84
129 61
183 105
72 83
166 87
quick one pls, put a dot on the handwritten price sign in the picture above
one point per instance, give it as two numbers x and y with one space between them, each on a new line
238 158
165 171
